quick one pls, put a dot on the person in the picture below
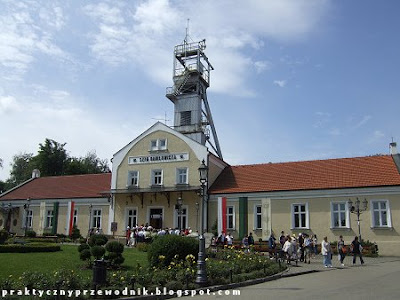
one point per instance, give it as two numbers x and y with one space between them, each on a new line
128 235
307 248
282 239
356 249
132 241
251 241
315 244
245 242
272 245
289 248
326 251
229 239
301 246
341 250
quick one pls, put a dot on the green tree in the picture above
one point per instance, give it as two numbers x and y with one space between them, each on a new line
52 158
1 163
90 164
21 168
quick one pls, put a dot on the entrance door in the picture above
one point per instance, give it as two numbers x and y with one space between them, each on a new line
156 218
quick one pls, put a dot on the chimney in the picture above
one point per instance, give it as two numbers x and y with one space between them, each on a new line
393 148
35 173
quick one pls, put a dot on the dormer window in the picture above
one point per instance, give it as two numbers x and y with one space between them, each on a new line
158 145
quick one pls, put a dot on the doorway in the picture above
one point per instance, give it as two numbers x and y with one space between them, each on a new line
156 217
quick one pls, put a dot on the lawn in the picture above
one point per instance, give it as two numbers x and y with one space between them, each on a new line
68 258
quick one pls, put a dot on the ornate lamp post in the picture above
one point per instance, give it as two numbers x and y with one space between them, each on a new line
201 278
26 207
358 210
178 208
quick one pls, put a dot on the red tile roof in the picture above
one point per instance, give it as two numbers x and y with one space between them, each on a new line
369 171
62 187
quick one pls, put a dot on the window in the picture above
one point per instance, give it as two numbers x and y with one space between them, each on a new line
49 219
133 178
230 217
131 217
156 177
257 217
380 213
300 216
29 219
159 144
75 218
96 218
181 218
186 118
339 215
181 176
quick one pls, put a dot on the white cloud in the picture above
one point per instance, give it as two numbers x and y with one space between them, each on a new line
145 34
362 122
280 83
8 104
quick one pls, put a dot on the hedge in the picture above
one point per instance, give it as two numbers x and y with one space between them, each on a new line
31 247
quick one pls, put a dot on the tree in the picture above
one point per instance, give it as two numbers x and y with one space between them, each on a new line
90 164
1 163
21 168
51 159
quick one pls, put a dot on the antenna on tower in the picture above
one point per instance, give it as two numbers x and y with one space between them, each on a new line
165 120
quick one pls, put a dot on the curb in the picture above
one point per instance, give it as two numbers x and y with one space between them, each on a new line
225 286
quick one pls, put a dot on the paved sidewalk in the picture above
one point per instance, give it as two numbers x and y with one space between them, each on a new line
316 264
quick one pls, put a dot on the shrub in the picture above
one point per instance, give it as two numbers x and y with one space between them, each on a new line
76 233
82 247
97 240
31 247
97 251
31 233
3 236
115 250
168 247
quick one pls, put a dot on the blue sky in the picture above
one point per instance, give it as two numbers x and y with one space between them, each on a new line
293 80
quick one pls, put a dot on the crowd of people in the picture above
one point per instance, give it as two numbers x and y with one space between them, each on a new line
303 247
139 234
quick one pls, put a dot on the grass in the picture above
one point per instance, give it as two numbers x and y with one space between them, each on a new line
68 258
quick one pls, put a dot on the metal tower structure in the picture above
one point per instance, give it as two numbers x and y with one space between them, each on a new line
191 76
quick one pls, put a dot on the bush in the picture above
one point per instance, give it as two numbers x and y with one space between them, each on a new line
170 245
31 247
75 234
31 233
82 247
115 250
97 240
3 236
85 254
97 251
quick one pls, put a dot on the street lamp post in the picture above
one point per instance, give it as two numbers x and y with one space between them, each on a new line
201 277
358 210
179 203
26 207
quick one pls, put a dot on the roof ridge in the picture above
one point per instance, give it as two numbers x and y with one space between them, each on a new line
310 160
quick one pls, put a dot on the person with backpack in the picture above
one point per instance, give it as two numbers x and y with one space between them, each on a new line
356 249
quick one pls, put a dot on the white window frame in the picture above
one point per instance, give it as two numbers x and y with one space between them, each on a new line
185 215
307 225
49 218
256 215
134 216
159 144
346 214
75 218
94 217
153 177
387 210
230 215
180 175
133 175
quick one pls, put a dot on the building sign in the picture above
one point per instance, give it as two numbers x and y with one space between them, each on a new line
158 158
